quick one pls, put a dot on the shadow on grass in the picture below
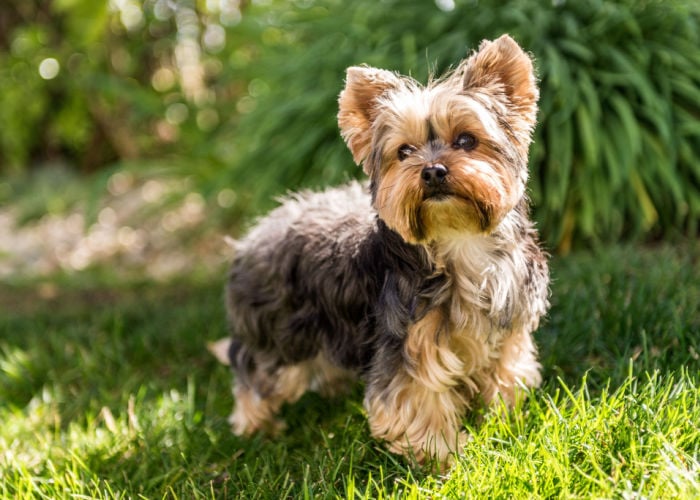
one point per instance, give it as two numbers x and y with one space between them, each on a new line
132 360
106 358
619 304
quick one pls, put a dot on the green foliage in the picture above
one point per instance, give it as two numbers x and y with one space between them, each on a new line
107 391
617 152
90 82
243 96
619 143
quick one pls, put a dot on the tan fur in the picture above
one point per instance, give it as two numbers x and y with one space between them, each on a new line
364 86
514 372
478 176
254 412
219 350
416 420
470 339
420 412
448 364
430 360
502 63
397 196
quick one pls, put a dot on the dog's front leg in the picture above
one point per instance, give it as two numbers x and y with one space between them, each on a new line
418 407
416 421
513 371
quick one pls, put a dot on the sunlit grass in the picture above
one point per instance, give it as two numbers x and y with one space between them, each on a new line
107 391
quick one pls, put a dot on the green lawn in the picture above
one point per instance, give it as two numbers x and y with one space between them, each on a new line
107 391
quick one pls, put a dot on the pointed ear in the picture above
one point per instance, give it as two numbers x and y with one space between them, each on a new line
358 106
502 63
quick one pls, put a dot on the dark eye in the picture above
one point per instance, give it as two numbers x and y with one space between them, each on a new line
404 151
465 141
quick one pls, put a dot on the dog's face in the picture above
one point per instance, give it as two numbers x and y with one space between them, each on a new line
450 157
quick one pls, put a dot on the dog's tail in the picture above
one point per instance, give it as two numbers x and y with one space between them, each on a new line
219 349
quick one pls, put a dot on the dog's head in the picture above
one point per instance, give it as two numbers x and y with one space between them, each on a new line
449 157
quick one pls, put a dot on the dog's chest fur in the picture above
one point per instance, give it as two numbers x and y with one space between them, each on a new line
487 295
480 286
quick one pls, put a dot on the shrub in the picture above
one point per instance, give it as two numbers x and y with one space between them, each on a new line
90 82
616 154
617 151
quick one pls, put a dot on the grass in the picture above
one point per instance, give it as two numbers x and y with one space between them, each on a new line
107 391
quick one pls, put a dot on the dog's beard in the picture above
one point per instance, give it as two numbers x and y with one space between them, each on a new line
468 202
453 214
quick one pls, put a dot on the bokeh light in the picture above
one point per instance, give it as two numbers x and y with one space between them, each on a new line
49 68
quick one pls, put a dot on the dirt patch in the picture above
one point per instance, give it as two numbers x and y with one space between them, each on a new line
154 227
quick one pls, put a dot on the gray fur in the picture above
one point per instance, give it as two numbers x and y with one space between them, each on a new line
325 283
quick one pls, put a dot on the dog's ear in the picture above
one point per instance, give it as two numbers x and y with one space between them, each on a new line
502 67
358 106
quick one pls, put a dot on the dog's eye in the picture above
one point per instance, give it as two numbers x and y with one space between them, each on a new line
465 141
405 151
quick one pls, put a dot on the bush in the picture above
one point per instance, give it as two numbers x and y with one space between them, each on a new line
617 152
91 82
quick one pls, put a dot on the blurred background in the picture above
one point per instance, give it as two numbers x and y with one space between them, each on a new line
134 134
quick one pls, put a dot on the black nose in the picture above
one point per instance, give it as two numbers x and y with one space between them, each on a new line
434 175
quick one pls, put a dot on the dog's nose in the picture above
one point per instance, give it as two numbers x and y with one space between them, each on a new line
434 175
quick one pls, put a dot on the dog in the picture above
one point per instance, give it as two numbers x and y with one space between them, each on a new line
426 282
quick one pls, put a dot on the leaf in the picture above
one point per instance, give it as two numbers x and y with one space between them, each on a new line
649 213
587 136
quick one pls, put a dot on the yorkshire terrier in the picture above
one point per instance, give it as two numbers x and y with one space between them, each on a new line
427 285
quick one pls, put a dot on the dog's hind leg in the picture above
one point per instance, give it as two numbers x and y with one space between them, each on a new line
261 388
329 379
